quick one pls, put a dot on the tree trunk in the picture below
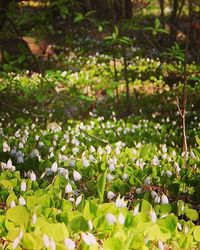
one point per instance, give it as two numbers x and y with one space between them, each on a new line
3 12
173 22
162 14
128 9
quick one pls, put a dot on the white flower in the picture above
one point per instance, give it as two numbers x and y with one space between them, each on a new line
89 239
136 209
121 218
169 173
22 201
53 244
120 202
109 149
90 224
138 190
153 216
155 161
186 229
12 203
15 243
85 162
46 240
161 245
63 148
176 166
111 167
6 147
32 176
153 194
23 186
110 195
109 177
54 167
75 150
92 149
124 176
34 218
76 175
179 226
193 156
78 200
157 199
70 244
68 188
147 181
111 219
164 199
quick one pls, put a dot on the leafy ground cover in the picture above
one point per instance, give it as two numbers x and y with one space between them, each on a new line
78 173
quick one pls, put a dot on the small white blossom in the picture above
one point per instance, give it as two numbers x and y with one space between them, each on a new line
68 188
23 186
70 244
32 176
34 218
136 209
89 239
12 203
109 177
53 244
85 162
164 199
161 245
22 201
54 167
121 218
46 240
153 216
120 202
111 219
78 200
6 147
76 175
110 195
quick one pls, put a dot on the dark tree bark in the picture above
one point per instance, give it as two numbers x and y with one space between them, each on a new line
3 12
173 21
162 14
128 9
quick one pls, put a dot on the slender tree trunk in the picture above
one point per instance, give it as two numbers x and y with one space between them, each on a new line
185 87
173 22
3 12
126 80
162 14
128 9
115 74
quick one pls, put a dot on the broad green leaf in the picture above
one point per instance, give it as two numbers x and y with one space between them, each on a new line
192 214
78 224
58 231
32 241
196 233
19 215
101 183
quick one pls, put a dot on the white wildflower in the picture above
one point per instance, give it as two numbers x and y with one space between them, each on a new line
111 219
77 176
70 244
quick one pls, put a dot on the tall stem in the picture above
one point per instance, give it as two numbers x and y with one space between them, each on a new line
126 79
185 86
115 74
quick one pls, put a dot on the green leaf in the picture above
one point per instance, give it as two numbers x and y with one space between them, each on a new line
101 183
113 244
58 231
19 215
196 233
192 214
157 23
78 224
32 241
